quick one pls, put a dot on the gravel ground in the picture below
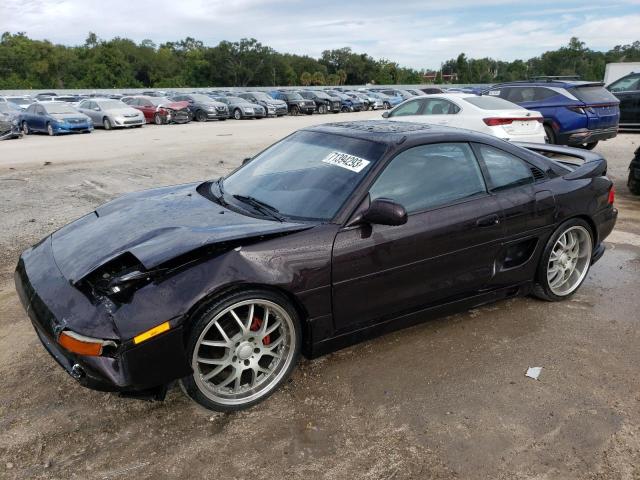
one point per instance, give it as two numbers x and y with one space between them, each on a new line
446 399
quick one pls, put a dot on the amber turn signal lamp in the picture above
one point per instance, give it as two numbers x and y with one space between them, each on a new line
81 345
144 336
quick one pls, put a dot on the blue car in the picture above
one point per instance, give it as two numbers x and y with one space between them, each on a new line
388 101
576 113
54 118
347 103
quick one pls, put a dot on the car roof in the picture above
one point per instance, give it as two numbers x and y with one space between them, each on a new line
549 83
381 131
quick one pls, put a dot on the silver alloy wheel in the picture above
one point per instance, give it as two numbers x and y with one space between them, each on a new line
106 124
49 129
25 128
243 352
237 114
569 260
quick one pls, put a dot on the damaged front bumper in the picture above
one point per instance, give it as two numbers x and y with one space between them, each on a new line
54 305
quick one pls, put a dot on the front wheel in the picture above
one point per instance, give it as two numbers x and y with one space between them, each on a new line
242 348
157 119
565 261
387 105
201 116
50 131
106 123
322 109
295 110
25 128
237 114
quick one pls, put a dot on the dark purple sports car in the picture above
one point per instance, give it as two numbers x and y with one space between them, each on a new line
337 233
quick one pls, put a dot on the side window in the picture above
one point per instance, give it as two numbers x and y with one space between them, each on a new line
504 170
84 104
439 106
409 108
40 110
430 176
627 84
144 102
31 108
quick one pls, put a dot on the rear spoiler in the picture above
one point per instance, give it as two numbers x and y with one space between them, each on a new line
593 165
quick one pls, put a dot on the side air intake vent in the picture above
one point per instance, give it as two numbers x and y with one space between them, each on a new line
537 173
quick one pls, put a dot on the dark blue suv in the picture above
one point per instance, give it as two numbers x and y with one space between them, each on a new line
576 113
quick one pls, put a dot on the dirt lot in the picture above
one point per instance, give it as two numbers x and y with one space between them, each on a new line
446 399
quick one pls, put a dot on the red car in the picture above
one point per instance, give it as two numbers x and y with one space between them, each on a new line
160 110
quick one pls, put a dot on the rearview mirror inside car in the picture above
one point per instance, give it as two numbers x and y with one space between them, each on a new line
384 211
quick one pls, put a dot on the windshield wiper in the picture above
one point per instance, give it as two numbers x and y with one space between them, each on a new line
219 198
260 206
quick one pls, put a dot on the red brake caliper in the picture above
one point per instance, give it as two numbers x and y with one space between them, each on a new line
255 326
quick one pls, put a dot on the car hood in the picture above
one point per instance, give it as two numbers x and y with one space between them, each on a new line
155 226
69 116
124 111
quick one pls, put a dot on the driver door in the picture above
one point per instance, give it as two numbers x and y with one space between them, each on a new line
445 250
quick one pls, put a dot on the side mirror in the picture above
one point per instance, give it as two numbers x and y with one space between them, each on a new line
384 211
246 160
385 114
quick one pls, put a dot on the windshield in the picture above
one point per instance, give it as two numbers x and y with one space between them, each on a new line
492 103
7 108
201 98
110 104
322 95
293 96
594 95
59 108
262 96
308 175
18 100
160 100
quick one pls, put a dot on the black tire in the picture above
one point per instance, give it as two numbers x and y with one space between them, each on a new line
551 136
106 123
387 105
201 116
541 287
25 128
157 119
590 146
633 184
366 107
295 110
205 314
322 109
237 114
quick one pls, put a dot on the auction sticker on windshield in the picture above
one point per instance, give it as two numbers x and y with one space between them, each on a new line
344 160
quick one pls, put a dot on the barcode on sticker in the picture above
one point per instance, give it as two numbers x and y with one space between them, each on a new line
344 160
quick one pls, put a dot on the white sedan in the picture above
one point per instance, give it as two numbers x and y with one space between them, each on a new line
485 114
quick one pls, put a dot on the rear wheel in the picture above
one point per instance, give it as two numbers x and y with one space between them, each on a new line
106 123
242 348
633 184
322 109
565 261
387 105
157 119
551 136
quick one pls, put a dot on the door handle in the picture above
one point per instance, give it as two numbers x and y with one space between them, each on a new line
488 221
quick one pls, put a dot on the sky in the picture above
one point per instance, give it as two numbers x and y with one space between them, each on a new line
418 34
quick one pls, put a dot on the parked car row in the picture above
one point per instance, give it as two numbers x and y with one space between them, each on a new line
56 114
